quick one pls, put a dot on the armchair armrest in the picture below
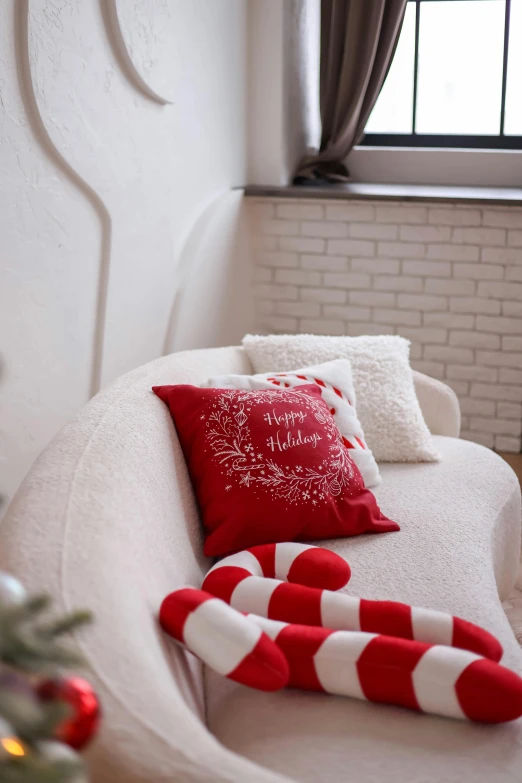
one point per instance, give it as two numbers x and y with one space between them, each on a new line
439 405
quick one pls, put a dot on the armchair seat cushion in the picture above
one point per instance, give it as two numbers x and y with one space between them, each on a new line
457 550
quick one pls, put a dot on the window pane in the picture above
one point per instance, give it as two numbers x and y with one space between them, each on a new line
513 117
459 86
393 111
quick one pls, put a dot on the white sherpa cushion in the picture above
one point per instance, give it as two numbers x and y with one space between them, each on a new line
387 405
337 390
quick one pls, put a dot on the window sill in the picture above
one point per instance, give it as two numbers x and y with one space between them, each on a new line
468 168
363 191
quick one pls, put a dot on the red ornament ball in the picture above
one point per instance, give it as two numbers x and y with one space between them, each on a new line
77 730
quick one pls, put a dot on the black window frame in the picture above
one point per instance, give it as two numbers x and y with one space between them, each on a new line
439 140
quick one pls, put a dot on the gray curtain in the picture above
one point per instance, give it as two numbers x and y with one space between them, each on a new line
358 40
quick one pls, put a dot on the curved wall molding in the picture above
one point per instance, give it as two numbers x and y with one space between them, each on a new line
188 250
109 11
214 258
101 187
28 95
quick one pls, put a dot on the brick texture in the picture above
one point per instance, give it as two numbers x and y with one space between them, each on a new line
446 276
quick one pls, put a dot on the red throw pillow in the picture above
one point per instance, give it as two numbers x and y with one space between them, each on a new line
269 466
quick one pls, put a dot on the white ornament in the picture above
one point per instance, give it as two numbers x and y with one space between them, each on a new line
12 592
57 751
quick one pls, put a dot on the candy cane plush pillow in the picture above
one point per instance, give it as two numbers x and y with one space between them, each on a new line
432 678
224 639
382 651
334 380
269 466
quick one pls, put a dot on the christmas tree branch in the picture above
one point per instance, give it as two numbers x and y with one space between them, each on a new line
31 718
34 723
34 769
70 622
36 648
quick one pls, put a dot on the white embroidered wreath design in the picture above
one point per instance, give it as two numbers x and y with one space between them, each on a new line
228 435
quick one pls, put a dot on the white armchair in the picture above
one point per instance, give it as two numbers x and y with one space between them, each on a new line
106 519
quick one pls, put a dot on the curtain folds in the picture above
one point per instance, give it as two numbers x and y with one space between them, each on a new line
358 41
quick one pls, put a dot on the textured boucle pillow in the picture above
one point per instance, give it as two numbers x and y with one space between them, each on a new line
387 405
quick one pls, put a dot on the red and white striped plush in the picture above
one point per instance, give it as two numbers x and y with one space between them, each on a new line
424 677
303 564
224 639
303 633
334 378
241 581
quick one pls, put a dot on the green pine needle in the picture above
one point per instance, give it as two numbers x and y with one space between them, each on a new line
70 622
28 609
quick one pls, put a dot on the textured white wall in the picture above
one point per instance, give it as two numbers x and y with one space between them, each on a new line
284 122
122 129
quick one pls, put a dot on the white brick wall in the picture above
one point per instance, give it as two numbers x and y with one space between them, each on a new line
446 276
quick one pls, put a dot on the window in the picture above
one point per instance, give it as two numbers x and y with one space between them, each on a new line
455 79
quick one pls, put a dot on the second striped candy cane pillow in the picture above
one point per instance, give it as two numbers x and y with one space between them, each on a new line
246 581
